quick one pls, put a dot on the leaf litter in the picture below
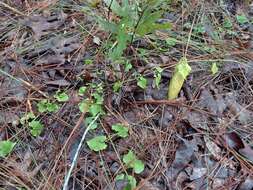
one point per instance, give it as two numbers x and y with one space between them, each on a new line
202 141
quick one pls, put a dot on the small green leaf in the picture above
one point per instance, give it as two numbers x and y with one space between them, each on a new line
132 162
120 129
242 19
171 42
6 147
182 70
52 107
214 68
36 128
95 109
128 66
84 105
98 97
26 117
142 82
199 29
88 121
97 143
82 90
227 24
158 76
131 181
88 61
61 96
116 86
42 106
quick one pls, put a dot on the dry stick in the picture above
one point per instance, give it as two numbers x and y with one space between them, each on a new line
67 177
11 8
24 82
64 146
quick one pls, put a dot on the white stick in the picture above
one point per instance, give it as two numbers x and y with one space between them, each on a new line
68 175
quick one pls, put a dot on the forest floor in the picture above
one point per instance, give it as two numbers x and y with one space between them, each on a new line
73 118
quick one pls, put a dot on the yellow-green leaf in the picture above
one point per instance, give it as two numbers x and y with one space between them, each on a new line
182 70
214 68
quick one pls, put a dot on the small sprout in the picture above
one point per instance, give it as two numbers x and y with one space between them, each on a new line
61 96
242 19
182 70
227 24
84 106
88 121
52 107
82 90
116 86
36 128
95 109
6 147
97 143
142 82
45 105
26 117
131 181
98 97
120 129
128 66
171 41
132 162
199 29
158 76
214 68
88 61
42 106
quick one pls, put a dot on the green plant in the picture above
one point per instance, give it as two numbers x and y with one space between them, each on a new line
171 41
199 29
182 70
120 130
137 18
158 76
25 119
61 96
36 127
142 82
6 147
242 19
84 105
214 68
131 161
88 121
117 85
131 181
88 61
97 143
227 24
82 90
46 106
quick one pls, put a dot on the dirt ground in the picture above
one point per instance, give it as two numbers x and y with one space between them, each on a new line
201 140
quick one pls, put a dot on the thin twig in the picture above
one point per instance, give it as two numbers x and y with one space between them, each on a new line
11 8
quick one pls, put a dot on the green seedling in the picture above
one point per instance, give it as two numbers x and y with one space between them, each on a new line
227 24
158 76
171 42
214 68
36 128
61 96
142 82
131 161
26 118
121 130
117 86
88 61
46 106
181 72
89 120
82 90
97 143
84 105
242 19
131 181
6 147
